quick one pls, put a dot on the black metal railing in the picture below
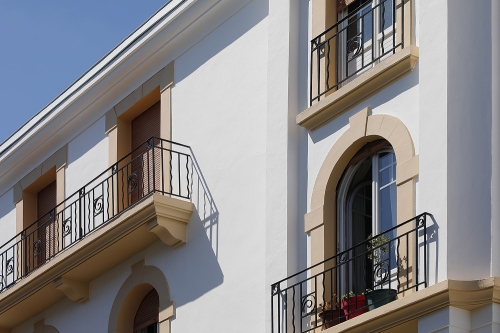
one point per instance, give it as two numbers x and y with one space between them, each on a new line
157 166
354 44
359 279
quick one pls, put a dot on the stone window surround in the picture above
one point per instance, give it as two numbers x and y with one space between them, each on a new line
117 121
57 162
320 221
140 282
337 101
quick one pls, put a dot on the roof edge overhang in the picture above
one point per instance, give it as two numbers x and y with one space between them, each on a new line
158 21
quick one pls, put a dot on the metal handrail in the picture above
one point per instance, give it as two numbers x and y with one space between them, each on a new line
353 55
156 166
361 278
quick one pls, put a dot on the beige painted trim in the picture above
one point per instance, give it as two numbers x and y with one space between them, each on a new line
162 80
77 291
466 295
141 281
321 220
171 220
118 119
57 160
166 113
53 168
359 89
40 327
324 16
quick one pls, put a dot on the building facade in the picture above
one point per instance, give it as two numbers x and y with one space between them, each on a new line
265 166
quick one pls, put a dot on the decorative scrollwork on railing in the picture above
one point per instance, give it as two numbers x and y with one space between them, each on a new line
114 168
421 221
354 46
132 182
81 192
67 226
381 271
37 247
98 205
308 304
343 258
275 289
9 266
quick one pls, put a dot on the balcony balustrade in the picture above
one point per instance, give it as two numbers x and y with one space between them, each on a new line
364 277
359 40
157 166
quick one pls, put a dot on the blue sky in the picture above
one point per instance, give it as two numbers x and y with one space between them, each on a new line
46 45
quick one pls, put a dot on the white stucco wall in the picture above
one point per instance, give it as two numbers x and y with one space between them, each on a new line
432 196
7 217
87 157
469 140
219 109
234 101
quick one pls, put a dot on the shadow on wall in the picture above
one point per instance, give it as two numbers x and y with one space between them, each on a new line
432 252
207 212
255 11
193 269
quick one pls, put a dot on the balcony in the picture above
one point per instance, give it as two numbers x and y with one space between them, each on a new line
367 49
383 269
143 197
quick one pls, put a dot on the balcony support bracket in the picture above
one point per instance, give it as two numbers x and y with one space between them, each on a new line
77 291
172 217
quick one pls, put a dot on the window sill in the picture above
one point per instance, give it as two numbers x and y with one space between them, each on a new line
402 314
362 87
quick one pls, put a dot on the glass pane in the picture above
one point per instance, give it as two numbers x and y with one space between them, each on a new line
385 176
385 159
388 218
385 14
367 25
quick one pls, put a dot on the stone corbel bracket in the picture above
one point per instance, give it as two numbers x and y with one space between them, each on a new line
77 291
172 217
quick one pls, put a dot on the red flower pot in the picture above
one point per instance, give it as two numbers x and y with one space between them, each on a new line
354 306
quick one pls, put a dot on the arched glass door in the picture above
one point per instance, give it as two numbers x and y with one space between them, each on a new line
366 208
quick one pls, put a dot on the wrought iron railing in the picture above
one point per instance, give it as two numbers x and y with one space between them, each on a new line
359 279
354 44
158 165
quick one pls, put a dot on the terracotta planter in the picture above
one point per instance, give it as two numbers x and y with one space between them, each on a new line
331 318
354 306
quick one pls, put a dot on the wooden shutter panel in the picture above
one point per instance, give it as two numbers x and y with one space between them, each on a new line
145 126
46 199
46 242
148 311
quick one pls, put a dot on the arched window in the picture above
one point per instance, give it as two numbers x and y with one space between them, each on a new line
146 318
366 206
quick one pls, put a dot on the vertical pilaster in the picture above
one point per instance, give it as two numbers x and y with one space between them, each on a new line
281 144
495 135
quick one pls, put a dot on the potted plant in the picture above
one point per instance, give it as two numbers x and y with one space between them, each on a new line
353 305
377 247
330 313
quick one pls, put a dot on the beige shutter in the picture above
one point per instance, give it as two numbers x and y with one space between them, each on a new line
148 311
